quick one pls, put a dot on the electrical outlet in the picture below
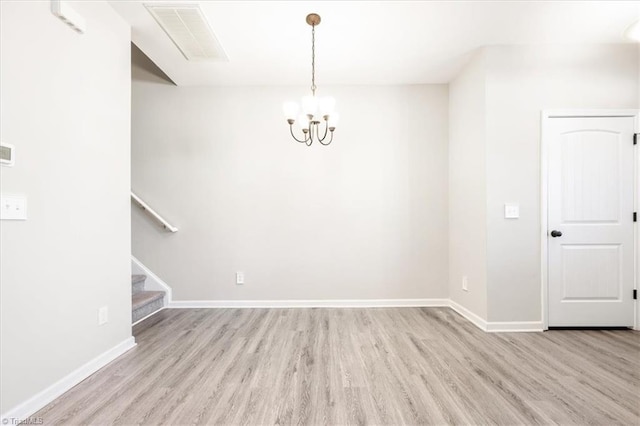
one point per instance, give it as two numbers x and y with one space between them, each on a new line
103 315
465 283
13 207
239 278
511 211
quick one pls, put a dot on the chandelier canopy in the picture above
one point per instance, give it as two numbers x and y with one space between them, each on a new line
313 110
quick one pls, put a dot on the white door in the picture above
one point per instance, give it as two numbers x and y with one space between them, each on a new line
590 221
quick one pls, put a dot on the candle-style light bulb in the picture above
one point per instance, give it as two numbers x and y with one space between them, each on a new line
290 110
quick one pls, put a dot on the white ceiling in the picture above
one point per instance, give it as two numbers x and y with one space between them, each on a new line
368 42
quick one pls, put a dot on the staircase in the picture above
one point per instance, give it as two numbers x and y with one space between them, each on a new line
144 303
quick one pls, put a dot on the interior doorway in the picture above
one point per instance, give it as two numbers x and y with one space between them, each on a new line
589 200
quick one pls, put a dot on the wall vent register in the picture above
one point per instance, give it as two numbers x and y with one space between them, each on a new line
7 154
189 30
62 10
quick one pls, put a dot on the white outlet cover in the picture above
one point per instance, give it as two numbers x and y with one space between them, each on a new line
511 211
103 315
239 278
13 207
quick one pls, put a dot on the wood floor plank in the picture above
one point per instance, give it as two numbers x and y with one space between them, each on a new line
356 366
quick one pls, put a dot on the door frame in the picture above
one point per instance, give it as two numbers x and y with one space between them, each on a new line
544 200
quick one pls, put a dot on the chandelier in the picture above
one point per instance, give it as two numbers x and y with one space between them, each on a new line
313 110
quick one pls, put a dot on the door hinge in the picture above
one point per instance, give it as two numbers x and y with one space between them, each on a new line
635 294
635 138
635 216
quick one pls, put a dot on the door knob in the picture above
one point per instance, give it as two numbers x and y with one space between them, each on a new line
555 233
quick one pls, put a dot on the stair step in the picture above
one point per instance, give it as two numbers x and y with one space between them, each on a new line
137 283
138 300
145 303
137 278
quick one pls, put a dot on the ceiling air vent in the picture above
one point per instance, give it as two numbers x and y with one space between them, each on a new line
188 28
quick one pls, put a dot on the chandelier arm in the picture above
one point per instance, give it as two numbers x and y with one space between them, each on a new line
326 129
311 130
294 136
309 140
330 140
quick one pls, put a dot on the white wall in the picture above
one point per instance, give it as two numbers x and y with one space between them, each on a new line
520 83
364 218
505 89
467 187
66 108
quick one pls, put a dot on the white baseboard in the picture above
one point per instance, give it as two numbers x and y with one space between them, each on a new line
514 327
150 315
41 399
346 303
153 282
494 326
475 319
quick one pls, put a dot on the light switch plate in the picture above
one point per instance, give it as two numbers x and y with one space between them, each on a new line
13 207
511 211
103 315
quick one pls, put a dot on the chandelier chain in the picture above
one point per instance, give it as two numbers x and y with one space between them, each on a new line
313 59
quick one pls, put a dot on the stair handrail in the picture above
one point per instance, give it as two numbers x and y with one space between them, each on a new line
145 207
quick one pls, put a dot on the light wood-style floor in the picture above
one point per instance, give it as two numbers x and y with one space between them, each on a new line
356 366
